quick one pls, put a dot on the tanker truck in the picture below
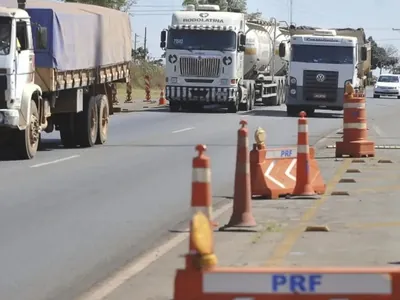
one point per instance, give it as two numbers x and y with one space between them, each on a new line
220 59
58 65
322 62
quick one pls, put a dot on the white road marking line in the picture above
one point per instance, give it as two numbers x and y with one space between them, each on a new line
377 130
54 161
289 170
106 288
183 130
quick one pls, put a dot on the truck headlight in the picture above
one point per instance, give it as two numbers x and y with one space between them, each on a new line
174 79
293 91
293 80
224 81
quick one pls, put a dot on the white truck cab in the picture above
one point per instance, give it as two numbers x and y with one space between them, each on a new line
204 58
16 67
19 125
321 64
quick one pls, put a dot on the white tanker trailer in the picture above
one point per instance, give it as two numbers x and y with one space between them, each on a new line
220 59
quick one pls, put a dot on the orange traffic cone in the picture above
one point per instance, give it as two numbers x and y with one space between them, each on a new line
201 193
242 216
162 100
303 185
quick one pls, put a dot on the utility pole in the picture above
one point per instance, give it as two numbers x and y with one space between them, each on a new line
290 12
145 41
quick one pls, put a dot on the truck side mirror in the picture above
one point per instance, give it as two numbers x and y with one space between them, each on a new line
363 53
163 38
242 42
242 39
282 50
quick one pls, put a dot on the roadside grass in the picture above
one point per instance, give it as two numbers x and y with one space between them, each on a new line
139 70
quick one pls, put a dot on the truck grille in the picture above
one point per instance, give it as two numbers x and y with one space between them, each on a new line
205 67
325 90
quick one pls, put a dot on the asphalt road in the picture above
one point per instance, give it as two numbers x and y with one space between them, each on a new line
70 218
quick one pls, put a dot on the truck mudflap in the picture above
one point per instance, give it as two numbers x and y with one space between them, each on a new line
206 95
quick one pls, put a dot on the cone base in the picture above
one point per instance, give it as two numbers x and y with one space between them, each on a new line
243 222
355 149
303 190
240 228
305 197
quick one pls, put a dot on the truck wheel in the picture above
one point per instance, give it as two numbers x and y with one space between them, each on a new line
102 106
244 106
67 130
27 141
88 123
174 106
282 95
252 97
292 111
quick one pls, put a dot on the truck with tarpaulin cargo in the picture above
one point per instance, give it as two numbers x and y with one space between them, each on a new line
59 63
223 59
322 62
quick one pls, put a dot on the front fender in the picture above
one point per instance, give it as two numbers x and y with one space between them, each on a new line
25 111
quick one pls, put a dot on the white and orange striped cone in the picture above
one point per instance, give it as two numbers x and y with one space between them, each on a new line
162 100
201 194
242 216
303 187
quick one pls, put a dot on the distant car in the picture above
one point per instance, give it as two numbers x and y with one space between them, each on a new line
387 85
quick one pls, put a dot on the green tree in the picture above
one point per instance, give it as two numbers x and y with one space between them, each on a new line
382 57
140 53
123 5
224 5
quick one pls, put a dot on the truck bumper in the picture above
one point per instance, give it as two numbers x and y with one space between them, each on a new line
206 95
9 118
299 99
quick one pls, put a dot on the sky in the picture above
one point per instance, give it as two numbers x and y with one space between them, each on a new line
377 17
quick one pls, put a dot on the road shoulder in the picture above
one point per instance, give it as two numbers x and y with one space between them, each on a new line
275 219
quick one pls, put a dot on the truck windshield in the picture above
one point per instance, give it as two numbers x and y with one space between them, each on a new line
201 40
322 54
5 35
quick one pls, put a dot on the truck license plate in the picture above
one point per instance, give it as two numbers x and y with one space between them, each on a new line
320 96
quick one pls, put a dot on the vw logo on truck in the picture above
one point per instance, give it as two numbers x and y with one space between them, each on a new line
320 77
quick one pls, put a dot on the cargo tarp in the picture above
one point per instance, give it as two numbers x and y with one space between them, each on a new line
79 36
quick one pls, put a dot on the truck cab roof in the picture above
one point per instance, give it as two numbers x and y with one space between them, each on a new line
13 13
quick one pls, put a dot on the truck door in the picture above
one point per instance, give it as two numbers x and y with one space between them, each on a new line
24 58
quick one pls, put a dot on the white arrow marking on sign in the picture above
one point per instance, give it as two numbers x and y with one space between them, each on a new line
268 175
289 170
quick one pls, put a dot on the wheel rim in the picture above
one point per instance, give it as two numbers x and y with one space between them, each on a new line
93 123
34 131
104 122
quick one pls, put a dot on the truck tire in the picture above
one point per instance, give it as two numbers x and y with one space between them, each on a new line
67 127
252 97
103 109
292 111
88 123
27 141
276 99
233 107
174 106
